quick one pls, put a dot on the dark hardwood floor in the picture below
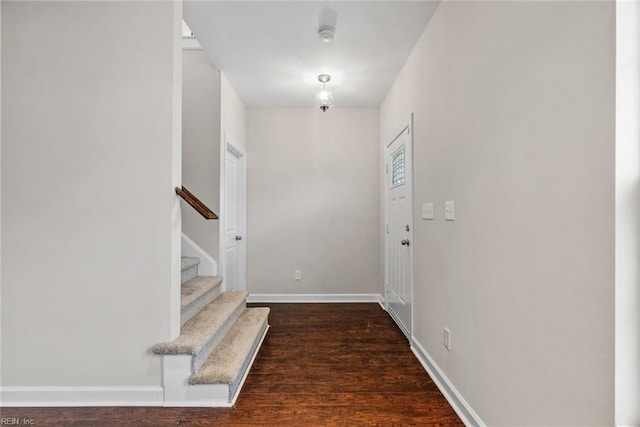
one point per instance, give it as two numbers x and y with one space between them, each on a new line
321 364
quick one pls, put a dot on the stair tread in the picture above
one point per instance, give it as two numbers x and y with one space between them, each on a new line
196 287
187 262
198 330
225 363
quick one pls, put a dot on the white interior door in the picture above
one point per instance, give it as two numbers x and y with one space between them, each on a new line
234 258
399 241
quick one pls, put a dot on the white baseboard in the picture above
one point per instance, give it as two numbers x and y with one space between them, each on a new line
455 399
80 396
208 266
382 302
313 298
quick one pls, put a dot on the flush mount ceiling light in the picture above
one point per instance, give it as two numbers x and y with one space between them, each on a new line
326 33
324 98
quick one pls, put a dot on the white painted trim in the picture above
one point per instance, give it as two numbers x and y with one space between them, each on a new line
627 215
407 124
242 158
208 266
222 213
249 366
413 226
191 43
229 145
466 413
176 370
1 213
399 324
175 224
382 302
81 396
314 298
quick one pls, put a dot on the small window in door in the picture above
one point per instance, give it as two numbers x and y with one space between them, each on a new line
397 168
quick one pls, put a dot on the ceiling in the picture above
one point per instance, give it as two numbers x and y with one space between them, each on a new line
271 53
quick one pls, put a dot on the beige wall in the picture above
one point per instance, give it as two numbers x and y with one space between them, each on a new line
88 108
514 121
312 201
201 146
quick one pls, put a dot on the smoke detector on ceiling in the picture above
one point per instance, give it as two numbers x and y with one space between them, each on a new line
326 34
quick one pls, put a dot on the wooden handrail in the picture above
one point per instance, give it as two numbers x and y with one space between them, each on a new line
195 203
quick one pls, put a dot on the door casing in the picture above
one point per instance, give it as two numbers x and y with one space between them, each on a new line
230 147
406 126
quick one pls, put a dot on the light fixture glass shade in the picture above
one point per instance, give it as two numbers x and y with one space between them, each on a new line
324 97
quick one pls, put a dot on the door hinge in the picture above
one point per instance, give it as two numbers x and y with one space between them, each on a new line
386 228
386 168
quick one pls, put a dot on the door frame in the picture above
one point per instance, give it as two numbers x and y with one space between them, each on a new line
230 146
407 124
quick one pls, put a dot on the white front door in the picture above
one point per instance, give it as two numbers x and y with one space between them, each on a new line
234 257
399 235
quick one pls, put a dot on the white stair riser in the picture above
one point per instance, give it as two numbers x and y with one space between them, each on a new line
189 273
206 350
195 306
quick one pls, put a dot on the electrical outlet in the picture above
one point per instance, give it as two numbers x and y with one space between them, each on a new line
298 274
447 339
449 211
427 211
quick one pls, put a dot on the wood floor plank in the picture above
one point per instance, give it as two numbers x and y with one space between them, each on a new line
321 364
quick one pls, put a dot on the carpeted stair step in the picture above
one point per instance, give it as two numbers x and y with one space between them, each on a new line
231 358
189 267
200 334
196 293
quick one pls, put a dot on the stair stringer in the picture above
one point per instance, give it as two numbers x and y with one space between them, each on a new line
208 265
235 388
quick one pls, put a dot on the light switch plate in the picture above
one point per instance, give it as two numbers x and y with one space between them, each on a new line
449 210
427 211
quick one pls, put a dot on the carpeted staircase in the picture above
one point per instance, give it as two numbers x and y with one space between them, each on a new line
219 338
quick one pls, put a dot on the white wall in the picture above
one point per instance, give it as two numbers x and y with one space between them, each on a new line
514 121
89 161
233 114
628 213
201 146
313 202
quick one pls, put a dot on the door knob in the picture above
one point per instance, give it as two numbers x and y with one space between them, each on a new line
404 242
238 237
